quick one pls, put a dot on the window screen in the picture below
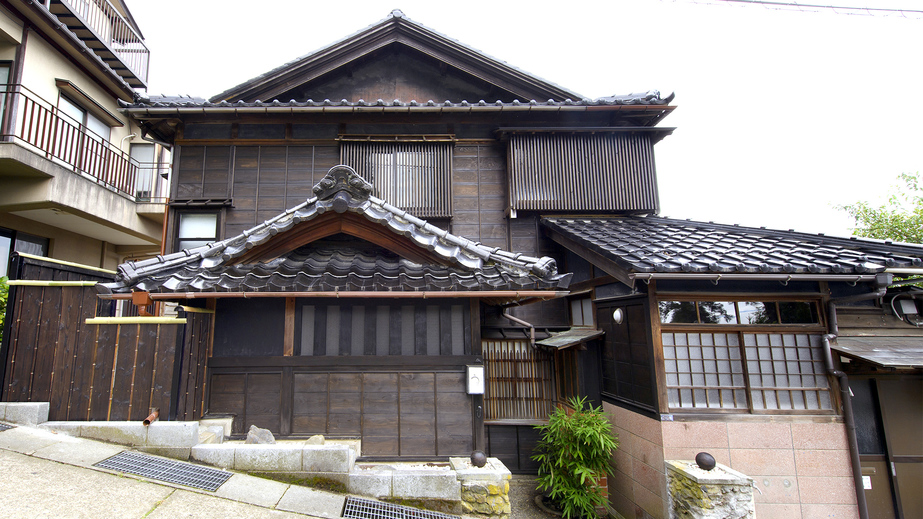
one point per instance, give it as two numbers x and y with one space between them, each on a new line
413 176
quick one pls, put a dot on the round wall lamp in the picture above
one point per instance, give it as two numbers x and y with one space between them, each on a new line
618 316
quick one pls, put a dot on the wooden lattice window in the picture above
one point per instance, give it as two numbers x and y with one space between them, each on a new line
519 381
413 176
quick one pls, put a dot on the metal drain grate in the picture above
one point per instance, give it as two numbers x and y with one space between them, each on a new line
4 426
171 471
357 508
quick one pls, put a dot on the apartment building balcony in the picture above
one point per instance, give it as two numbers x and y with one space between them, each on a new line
117 46
56 171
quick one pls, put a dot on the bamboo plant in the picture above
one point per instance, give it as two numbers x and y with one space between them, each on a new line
575 449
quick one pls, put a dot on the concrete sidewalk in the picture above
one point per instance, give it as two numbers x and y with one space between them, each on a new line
45 474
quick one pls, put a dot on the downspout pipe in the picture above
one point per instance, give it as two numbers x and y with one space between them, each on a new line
520 321
882 282
850 420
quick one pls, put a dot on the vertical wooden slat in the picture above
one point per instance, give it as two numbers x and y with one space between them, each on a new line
145 366
82 378
288 339
123 371
566 172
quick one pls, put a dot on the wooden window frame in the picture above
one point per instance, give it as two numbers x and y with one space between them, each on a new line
826 406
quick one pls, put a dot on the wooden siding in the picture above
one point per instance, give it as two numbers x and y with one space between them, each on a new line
395 328
97 372
409 410
479 195
262 181
582 172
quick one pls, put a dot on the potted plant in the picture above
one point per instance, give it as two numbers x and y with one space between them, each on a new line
573 454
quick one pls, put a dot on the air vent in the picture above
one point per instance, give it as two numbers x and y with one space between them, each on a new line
357 508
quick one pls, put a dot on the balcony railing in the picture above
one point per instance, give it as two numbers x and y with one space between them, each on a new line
109 27
43 128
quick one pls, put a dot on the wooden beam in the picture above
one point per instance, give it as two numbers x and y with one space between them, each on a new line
288 344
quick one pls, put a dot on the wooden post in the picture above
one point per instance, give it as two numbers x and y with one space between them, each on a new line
288 344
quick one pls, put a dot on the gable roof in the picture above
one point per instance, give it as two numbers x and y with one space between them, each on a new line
395 28
649 247
271 257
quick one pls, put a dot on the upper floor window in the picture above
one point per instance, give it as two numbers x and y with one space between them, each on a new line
767 358
413 176
82 138
582 171
196 229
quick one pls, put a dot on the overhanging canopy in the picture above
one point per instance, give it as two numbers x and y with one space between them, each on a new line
889 351
570 338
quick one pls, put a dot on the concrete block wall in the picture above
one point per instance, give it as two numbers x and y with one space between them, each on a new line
26 413
801 469
171 439
638 488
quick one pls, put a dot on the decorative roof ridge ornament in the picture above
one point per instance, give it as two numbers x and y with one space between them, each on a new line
343 178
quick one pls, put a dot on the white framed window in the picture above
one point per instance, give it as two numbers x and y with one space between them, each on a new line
196 229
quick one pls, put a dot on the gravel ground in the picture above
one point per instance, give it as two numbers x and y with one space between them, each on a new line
522 499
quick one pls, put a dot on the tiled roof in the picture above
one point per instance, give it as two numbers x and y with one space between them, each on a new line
655 244
652 98
212 267
328 269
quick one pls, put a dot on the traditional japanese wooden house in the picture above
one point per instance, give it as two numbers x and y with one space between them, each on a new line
339 310
368 221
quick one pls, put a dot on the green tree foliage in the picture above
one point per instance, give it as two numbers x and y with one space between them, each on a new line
901 219
4 295
575 448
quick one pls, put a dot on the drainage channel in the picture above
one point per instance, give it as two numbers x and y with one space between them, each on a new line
357 508
170 471
4 426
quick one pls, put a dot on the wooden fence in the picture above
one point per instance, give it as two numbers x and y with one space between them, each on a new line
96 371
519 381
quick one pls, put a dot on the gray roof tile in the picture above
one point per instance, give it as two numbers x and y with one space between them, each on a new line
655 244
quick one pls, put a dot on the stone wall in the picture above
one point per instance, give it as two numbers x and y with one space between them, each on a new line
719 493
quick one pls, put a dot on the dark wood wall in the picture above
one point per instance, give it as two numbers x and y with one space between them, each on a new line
97 372
403 407
263 181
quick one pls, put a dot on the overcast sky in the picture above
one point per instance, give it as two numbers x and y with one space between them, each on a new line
782 114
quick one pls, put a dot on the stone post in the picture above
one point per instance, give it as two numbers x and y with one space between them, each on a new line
722 492
485 491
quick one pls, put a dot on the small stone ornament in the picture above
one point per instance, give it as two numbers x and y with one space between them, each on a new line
705 461
478 459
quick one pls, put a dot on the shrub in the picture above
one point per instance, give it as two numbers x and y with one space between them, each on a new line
575 448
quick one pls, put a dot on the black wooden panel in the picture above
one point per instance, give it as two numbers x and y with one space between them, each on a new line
46 345
514 446
235 334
